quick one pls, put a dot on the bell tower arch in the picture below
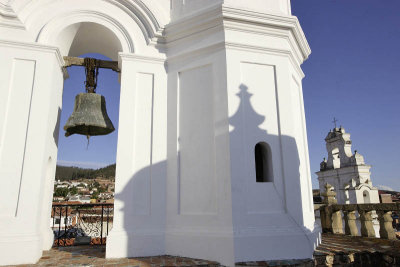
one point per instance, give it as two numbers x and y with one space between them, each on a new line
39 35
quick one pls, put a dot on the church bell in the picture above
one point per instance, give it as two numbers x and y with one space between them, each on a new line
89 117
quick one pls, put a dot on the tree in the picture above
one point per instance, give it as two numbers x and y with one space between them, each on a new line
73 190
64 173
101 189
95 195
61 192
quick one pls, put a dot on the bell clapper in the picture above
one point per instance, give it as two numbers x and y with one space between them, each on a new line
88 137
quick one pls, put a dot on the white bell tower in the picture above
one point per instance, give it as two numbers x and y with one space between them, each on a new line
345 171
212 158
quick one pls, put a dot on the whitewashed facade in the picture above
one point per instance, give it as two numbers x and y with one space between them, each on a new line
208 88
346 171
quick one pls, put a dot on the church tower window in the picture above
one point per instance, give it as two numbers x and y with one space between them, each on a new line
263 159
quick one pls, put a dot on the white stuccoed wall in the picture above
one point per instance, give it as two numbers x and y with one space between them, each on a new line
201 85
269 219
139 206
28 147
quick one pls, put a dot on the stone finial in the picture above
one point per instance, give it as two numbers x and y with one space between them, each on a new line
357 159
328 187
329 195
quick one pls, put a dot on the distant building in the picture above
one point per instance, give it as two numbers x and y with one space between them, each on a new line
79 184
389 196
64 184
79 198
106 195
58 199
386 198
345 171
62 219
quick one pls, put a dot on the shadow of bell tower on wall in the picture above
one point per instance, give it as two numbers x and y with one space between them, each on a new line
281 195
248 130
284 197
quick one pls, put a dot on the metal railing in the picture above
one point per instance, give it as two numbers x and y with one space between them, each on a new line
80 224
333 214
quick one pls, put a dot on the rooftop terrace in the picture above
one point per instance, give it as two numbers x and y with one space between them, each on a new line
337 250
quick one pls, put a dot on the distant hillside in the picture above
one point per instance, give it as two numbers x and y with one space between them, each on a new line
73 173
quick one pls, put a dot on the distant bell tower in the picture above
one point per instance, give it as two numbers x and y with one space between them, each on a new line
347 172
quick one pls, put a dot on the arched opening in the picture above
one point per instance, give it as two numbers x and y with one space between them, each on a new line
336 158
263 160
83 197
82 209
346 194
366 197
88 37
52 30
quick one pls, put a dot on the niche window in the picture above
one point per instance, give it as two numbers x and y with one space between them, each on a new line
263 159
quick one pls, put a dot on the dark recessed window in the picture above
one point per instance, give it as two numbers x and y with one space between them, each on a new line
263 158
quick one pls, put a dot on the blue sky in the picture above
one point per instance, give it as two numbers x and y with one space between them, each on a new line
73 150
353 74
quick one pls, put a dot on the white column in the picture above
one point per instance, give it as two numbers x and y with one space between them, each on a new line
233 81
199 203
274 219
30 101
139 207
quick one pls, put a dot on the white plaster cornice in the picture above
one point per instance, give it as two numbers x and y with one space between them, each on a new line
35 47
8 18
11 23
140 58
197 52
248 18
7 11
344 170
267 50
239 47
194 23
233 19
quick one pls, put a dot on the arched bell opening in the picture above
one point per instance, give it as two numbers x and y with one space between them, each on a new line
366 197
108 88
87 40
87 152
46 32
88 37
